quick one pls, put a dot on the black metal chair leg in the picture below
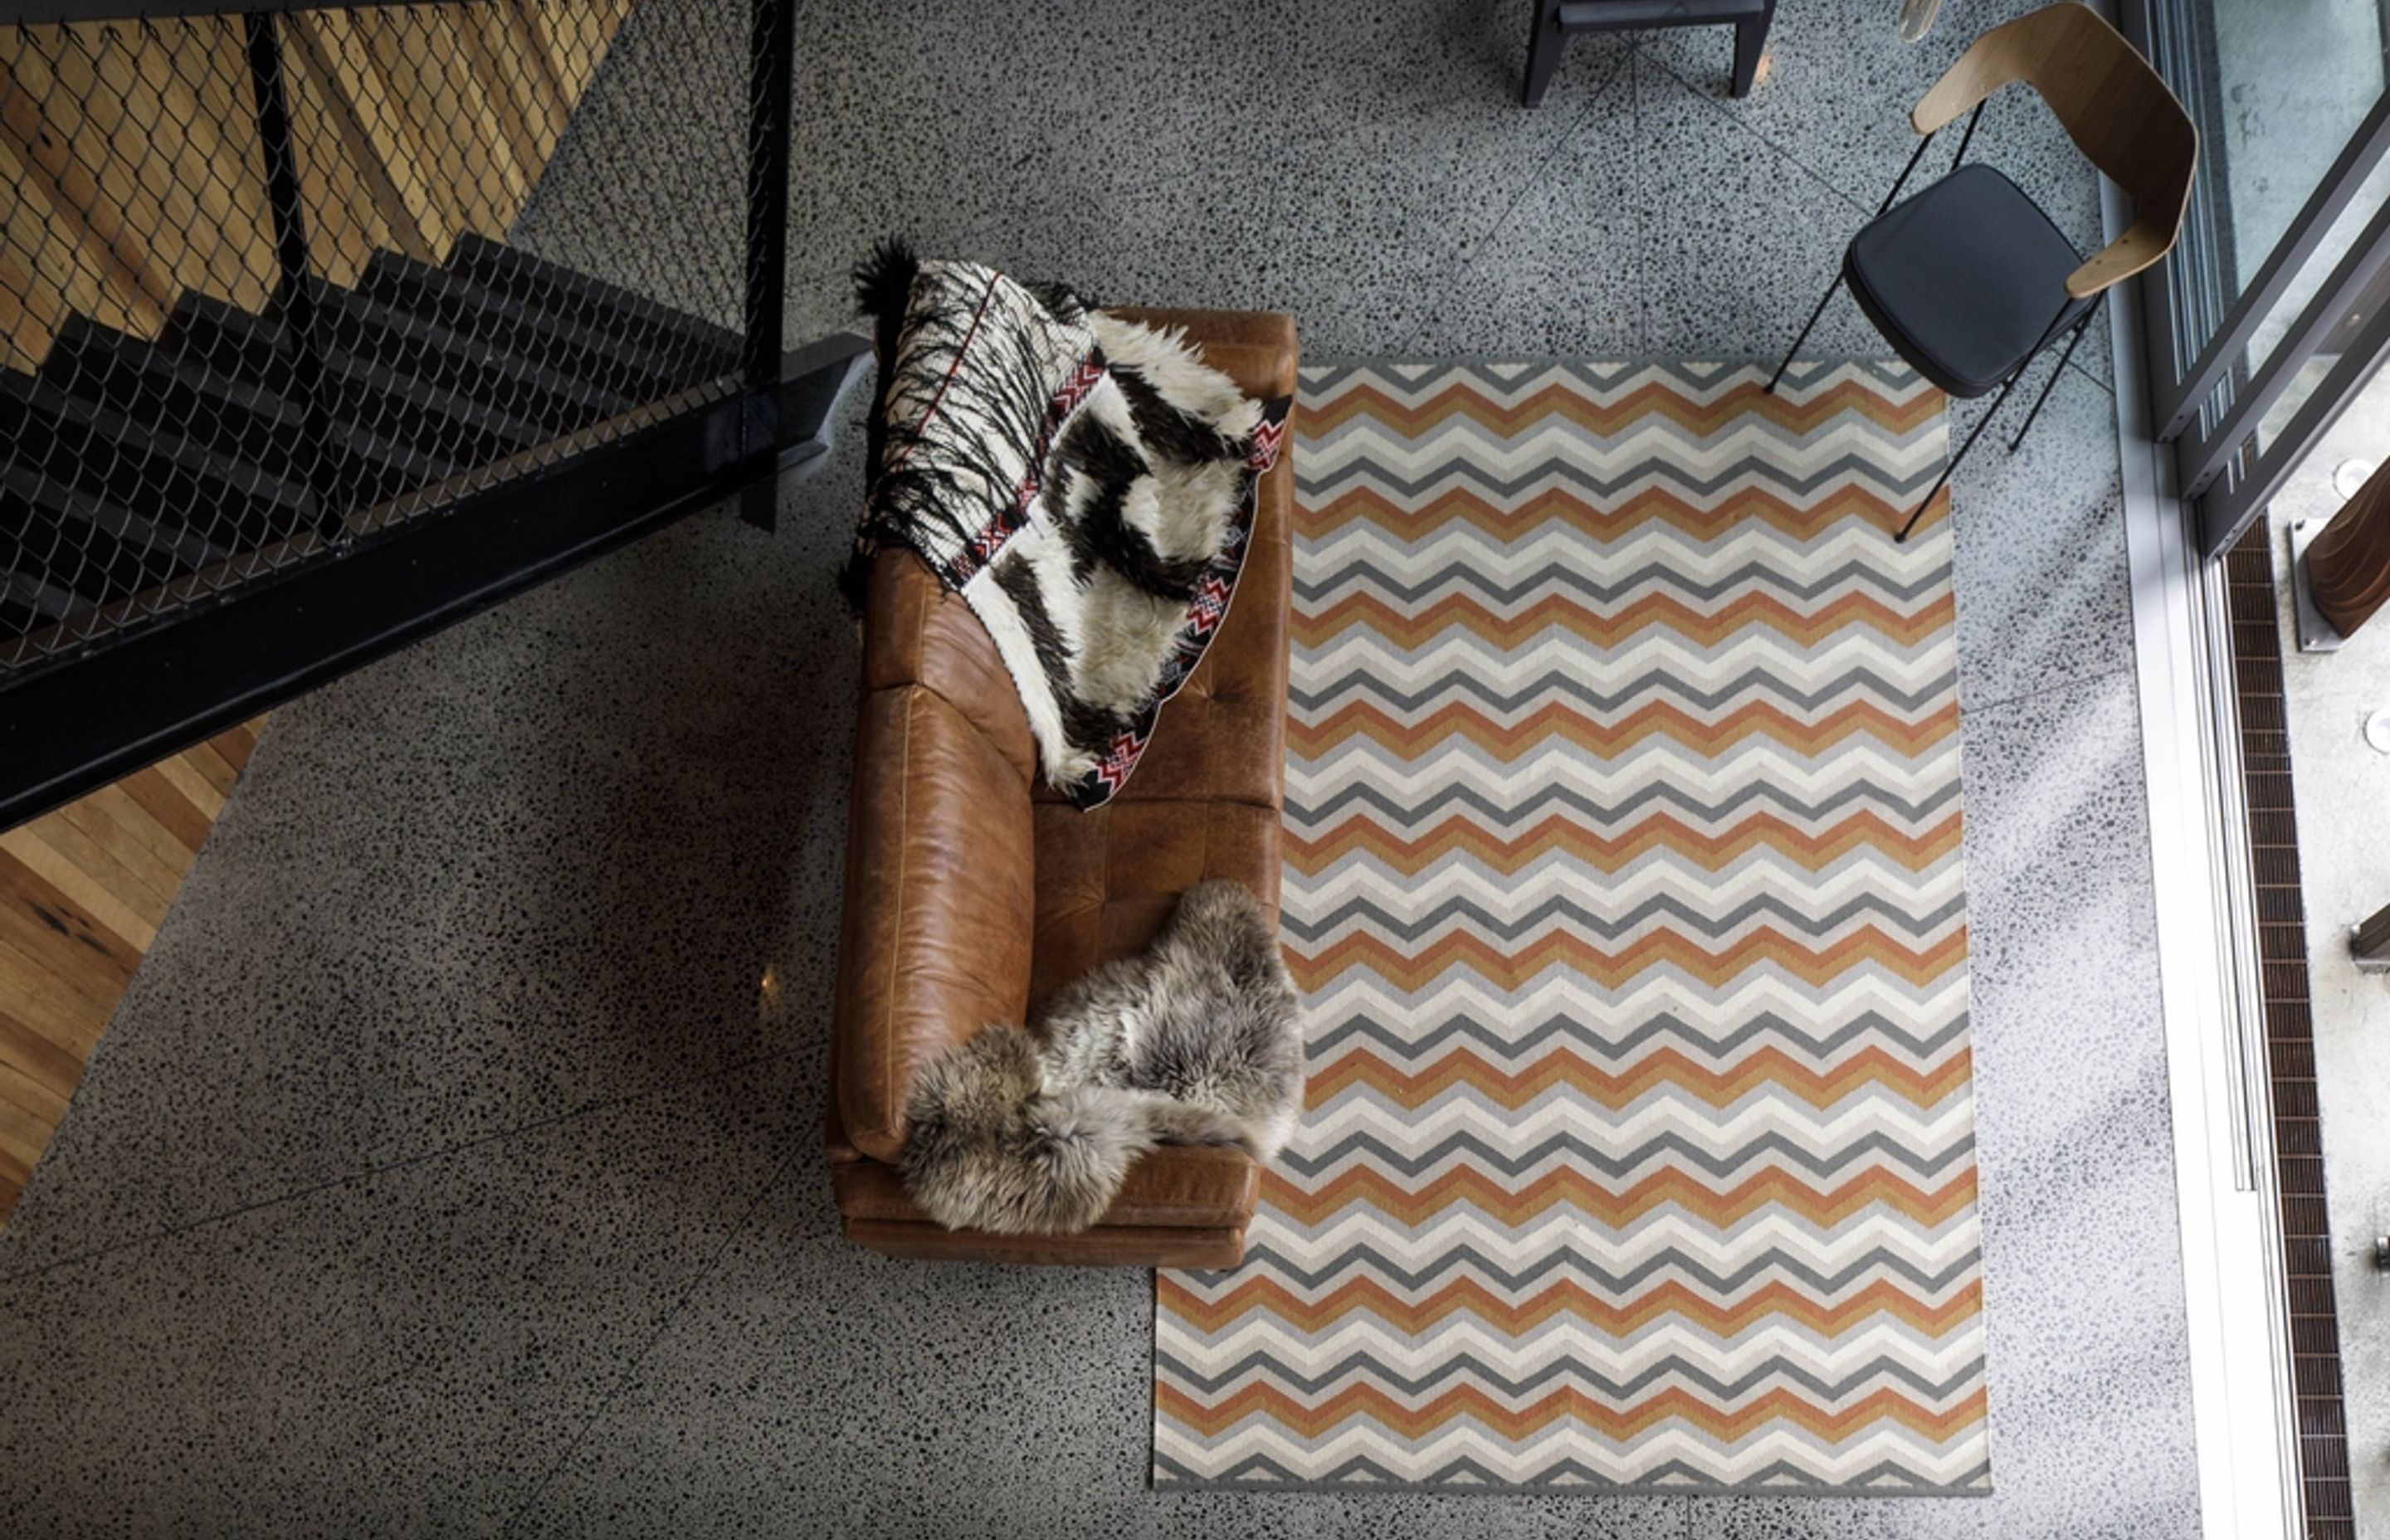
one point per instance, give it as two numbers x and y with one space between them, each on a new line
1543 50
1952 469
2048 385
1814 315
1750 42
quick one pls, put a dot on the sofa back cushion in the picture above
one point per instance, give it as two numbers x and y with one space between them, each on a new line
934 940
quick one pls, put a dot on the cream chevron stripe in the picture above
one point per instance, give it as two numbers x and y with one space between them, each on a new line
1622 879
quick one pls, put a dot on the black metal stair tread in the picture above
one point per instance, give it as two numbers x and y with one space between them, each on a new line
40 603
489 374
164 437
73 507
550 285
391 404
115 460
20 619
151 382
251 422
442 294
84 558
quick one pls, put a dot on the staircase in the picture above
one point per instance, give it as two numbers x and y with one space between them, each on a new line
129 463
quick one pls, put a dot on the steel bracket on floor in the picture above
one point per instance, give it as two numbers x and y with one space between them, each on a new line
2316 634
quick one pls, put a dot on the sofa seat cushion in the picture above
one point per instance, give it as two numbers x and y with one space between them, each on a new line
1107 879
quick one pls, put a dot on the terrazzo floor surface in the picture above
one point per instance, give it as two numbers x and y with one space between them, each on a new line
453 1164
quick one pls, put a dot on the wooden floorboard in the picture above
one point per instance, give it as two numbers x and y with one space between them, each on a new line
82 892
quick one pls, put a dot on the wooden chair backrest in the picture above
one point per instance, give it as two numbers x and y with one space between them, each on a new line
2115 107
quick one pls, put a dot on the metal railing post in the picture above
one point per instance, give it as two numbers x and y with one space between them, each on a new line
294 294
772 63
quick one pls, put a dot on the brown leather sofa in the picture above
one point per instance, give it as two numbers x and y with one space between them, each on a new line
953 841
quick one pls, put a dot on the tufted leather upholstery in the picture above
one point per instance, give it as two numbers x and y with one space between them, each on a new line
973 891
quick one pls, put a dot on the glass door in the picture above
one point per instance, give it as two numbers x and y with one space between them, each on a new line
2275 308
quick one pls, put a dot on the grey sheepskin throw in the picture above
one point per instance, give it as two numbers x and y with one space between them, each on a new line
1086 483
1197 1040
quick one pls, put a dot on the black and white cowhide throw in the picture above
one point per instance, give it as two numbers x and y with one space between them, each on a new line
1086 483
1197 1040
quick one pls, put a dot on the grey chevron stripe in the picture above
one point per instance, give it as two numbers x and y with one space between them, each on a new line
1565 1474
1743 449
1517 1276
1558 912
1765 1372
1559 797
1606 1043
1599 489
1756 682
1324 382
1554 578
1774 1150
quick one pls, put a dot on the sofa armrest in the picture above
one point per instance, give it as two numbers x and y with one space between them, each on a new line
934 936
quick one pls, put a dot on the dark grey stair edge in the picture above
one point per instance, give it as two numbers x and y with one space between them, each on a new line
156 373
265 402
475 352
65 550
163 442
95 361
187 547
346 367
475 252
50 603
441 289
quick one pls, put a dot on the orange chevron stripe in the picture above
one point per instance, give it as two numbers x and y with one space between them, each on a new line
1566 400
1664 611
1567 1404
1773 1303
1559 835
1668 1188
1509 522
1569 723
1751 1070
1415 969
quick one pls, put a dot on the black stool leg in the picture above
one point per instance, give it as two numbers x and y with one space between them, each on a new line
2048 385
1750 42
1948 470
1778 375
1544 49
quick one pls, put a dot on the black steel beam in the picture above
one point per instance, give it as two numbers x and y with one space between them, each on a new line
80 723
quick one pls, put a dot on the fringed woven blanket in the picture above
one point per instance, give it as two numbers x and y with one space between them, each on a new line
1084 483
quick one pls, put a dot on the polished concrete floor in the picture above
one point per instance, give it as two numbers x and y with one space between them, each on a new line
452 1164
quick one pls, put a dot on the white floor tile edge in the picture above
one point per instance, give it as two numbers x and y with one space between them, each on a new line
2223 1176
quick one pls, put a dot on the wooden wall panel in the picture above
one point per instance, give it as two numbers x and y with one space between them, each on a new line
133 152
82 892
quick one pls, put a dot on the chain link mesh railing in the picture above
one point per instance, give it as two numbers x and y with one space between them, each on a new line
276 284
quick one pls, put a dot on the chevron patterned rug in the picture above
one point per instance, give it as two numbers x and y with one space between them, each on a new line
1623 880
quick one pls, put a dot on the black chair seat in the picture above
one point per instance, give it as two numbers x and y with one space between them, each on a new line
1965 279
